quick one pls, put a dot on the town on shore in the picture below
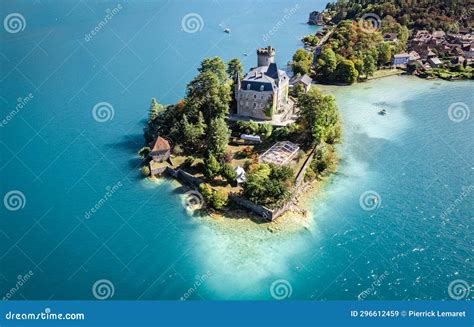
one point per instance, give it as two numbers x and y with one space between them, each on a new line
366 39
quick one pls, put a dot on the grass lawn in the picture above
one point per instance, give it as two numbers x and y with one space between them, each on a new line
386 72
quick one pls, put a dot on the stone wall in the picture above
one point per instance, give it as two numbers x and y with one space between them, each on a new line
258 209
187 178
301 173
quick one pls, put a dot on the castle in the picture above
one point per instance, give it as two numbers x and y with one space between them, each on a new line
262 95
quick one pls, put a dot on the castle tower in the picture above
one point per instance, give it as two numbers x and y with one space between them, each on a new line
265 56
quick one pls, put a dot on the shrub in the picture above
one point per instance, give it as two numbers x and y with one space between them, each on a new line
189 161
219 199
144 152
309 174
247 151
228 156
145 171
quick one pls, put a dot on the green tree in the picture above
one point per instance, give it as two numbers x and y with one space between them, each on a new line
318 116
234 68
219 199
385 53
268 185
193 133
302 61
370 64
346 72
215 65
326 64
311 39
155 109
212 167
228 172
207 94
218 137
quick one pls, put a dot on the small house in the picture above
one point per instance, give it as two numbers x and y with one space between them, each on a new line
241 176
161 150
435 62
400 59
390 37
304 80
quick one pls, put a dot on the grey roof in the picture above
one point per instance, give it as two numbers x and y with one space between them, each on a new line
305 79
402 55
266 76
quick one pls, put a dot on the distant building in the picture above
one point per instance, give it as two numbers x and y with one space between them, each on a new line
400 59
263 92
469 51
161 150
390 37
304 80
435 62
438 34
315 18
414 56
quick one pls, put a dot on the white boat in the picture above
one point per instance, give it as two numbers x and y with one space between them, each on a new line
227 30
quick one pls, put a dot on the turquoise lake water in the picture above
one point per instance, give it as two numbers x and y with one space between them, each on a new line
418 161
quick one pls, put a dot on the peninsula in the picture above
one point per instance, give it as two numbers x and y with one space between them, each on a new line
253 141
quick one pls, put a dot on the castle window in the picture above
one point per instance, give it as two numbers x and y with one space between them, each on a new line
254 105
254 96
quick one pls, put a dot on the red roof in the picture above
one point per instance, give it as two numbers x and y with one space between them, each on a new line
161 145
